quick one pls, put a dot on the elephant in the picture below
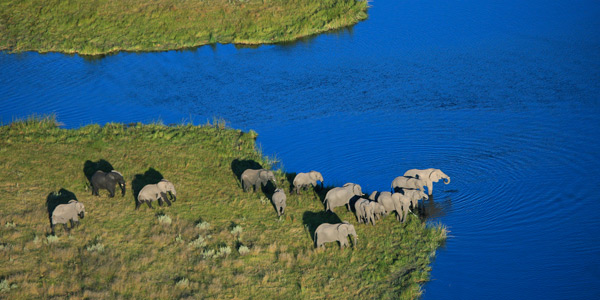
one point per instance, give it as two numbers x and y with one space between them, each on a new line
404 182
256 178
378 209
341 196
430 175
364 211
327 232
415 196
278 199
101 180
157 192
67 213
303 180
393 202
385 199
402 206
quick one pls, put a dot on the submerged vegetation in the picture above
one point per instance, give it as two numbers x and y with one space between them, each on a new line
215 242
105 26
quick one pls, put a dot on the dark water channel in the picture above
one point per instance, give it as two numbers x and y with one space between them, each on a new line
503 96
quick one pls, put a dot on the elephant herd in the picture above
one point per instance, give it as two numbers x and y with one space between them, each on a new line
406 191
162 192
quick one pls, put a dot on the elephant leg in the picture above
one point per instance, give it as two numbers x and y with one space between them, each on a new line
112 192
66 227
430 188
94 191
149 204
52 229
168 202
137 204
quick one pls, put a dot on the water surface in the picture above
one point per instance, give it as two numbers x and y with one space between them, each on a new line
500 95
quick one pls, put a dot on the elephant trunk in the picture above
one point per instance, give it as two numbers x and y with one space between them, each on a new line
447 180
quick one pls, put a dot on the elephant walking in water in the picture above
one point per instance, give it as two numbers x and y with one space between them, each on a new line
404 182
303 180
335 232
430 176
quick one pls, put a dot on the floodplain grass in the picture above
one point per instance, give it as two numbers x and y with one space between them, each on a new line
107 26
218 242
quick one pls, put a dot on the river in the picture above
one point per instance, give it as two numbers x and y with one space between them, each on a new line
503 96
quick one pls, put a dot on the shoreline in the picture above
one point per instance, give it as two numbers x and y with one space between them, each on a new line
108 27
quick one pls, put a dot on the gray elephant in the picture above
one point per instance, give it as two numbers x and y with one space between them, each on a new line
415 196
67 213
160 192
278 199
256 179
378 209
402 204
385 199
430 176
335 232
341 196
404 182
364 211
393 202
303 180
101 180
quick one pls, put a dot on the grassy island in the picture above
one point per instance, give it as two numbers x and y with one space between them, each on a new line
214 242
96 27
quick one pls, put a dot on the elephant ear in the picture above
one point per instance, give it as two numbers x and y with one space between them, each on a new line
435 175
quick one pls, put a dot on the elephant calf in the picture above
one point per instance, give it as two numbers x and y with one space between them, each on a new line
67 213
157 192
303 180
335 232
101 180
364 211
279 201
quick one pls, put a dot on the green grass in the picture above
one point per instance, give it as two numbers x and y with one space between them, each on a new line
214 242
96 27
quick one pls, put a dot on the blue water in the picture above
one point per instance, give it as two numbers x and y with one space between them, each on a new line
503 96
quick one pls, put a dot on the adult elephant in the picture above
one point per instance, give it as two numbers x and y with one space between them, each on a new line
256 179
160 192
339 232
430 176
340 196
303 180
405 182
101 180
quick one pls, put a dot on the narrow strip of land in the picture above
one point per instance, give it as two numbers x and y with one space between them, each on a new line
105 26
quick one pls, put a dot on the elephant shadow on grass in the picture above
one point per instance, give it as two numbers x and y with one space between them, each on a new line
91 167
151 176
54 199
312 220
239 166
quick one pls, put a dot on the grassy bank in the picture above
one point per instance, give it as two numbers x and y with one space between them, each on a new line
106 26
214 242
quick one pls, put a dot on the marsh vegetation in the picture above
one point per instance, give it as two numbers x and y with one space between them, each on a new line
106 26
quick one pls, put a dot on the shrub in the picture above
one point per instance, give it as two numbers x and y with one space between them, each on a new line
243 250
